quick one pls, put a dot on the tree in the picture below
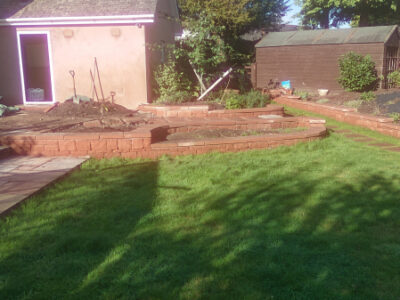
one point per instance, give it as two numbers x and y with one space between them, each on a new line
237 16
203 48
326 13
215 28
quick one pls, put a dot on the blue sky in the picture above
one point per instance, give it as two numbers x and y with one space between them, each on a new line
294 9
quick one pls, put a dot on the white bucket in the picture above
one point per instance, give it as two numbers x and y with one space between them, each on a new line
323 92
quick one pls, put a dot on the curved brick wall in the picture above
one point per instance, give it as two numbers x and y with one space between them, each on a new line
149 141
201 111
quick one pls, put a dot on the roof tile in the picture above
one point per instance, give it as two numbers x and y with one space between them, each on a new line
74 8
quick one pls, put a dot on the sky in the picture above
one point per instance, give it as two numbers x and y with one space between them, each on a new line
294 9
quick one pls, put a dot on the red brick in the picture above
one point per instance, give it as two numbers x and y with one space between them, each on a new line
51 148
137 144
80 153
82 145
82 136
47 142
98 146
67 145
124 145
112 144
50 136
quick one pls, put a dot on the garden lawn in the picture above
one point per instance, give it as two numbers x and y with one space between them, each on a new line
314 221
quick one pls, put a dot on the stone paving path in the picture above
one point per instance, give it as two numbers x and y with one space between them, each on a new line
364 139
21 177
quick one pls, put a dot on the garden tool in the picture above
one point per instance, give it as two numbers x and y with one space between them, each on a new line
75 99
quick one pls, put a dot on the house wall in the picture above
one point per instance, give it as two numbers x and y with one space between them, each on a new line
10 83
159 35
120 52
310 67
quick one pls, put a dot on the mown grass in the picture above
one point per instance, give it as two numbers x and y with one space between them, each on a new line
313 221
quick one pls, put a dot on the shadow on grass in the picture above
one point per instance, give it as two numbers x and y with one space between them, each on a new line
123 237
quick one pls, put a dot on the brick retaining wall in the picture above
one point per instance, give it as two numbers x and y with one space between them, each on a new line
202 111
348 115
149 141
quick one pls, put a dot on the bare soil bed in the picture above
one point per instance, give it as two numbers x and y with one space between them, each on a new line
387 101
71 117
211 104
223 133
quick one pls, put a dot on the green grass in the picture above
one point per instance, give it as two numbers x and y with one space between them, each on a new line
314 221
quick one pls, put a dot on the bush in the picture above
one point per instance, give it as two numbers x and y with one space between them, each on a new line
251 99
353 103
395 116
357 72
367 97
171 85
394 77
302 94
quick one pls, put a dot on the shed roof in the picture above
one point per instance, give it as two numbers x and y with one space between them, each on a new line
360 35
15 9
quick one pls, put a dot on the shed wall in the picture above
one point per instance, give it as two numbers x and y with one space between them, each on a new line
310 67
121 55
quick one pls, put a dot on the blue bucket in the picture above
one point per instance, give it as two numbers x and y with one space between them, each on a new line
286 84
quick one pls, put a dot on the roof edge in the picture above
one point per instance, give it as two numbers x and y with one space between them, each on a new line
86 20
353 43
395 27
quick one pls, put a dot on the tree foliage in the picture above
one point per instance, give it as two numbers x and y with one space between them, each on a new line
326 13
236 16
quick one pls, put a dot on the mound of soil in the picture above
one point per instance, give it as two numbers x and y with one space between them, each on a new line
88 109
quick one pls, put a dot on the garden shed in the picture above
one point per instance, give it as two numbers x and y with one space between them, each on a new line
309 58
43 41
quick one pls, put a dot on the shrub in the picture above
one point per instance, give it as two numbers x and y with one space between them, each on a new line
302 94
394 77
353 103
357 72
367 96
251 99
395 116
171 84
323 101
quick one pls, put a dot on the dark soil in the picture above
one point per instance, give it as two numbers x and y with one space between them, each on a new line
223 133
71 117
387 101
212 105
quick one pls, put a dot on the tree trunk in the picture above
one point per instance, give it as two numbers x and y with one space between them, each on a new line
199 78
324 23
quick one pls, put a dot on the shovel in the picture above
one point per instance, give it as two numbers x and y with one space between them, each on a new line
75 99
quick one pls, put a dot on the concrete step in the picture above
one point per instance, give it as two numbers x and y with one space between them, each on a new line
5 152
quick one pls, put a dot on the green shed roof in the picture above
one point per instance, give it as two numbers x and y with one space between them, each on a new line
360 35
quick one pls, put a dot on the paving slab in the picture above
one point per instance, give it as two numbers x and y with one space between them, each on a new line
342 131
354 135
382 145
364 140
21 177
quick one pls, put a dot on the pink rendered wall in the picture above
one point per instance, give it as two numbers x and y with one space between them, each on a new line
121 56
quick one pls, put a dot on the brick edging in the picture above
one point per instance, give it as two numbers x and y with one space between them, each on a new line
202 111
348 115
149 141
